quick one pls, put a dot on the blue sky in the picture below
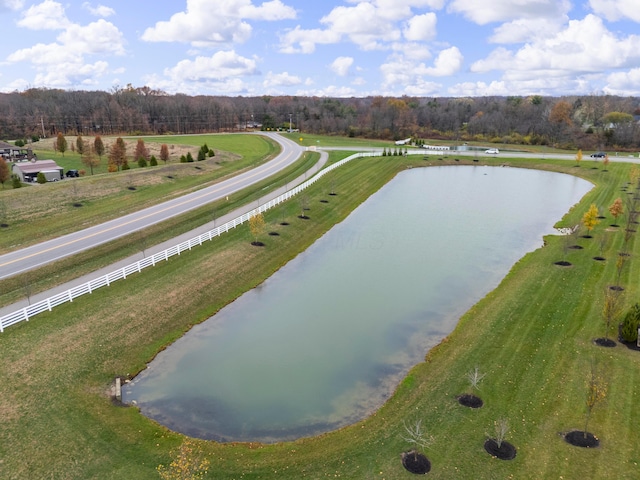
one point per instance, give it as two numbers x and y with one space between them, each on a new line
339 48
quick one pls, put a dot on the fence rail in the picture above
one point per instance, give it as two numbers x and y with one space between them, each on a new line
46 305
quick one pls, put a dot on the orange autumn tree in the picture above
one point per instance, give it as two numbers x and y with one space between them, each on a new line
616 209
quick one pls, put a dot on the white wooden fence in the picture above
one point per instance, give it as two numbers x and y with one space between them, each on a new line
24 314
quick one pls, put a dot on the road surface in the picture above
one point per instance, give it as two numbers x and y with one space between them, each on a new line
40 254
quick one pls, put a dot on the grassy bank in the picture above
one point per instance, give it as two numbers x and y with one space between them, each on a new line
36 213
532 336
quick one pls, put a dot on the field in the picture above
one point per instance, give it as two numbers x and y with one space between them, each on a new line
532 336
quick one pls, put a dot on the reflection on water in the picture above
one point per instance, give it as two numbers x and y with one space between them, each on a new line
325 340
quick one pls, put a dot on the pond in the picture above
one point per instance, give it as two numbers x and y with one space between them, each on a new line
325 340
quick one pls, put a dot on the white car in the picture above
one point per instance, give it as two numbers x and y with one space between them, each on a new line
492 151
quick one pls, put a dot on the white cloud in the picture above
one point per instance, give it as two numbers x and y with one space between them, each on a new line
479 89
305 41
64 64
98 11
616 9
221 65
421 28
48 15
489 11
204 24
524 30
584 46
72 74
623 83
341 65
371 25
446 63
11 5
284 79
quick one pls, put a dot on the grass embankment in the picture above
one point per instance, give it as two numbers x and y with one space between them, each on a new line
50 275
532 336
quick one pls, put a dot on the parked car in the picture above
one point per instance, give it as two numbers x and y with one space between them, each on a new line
492 151
72 173
598 155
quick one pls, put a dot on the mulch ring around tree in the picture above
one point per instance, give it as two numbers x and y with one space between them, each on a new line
576 247
77 204
131 188
578 438
324 201
304 217
284 224
469 400
274 234
604 342
257 244
599 259
563 263
505 451
4 225
416 462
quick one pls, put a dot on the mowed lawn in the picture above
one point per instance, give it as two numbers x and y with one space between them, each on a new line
532 336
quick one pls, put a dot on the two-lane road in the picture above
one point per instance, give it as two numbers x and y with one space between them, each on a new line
49 251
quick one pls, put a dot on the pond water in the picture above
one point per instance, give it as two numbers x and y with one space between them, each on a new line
325 340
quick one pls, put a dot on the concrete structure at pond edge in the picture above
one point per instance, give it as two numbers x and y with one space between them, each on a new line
28 171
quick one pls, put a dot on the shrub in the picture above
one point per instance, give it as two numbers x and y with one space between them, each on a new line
15 181
142 162
19 143
630 323
153 161
41 178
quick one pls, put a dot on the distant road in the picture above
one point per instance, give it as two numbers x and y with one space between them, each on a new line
52 250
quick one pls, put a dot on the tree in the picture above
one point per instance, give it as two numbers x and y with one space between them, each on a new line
61 143
414 435
79 144
611 309
257 226
475 377
616 209
15 181
5 174
41 178
118 154
561 113
605 162
98 146
630 324
141 151
578 157
164 152
596 392
153 161
89 158
590 219
188 463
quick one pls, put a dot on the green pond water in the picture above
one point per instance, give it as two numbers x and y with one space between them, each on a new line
325 340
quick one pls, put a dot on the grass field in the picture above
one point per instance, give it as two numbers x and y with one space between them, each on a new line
532 336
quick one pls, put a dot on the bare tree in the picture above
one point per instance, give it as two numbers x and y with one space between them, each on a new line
416 436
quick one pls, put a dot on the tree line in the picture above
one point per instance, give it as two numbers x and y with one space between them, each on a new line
585 122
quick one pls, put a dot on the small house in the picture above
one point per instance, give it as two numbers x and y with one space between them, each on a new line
28 171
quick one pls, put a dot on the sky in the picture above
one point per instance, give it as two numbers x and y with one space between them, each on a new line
332 48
